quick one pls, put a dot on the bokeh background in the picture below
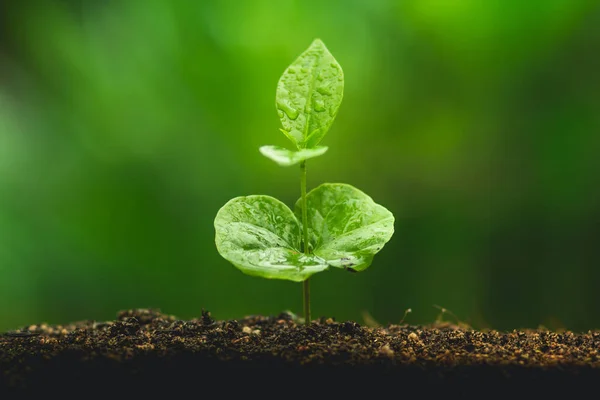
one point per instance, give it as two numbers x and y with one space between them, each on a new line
125 126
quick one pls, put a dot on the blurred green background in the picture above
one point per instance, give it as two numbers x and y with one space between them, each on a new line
125 126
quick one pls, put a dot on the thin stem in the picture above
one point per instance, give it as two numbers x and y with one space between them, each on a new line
306 283
306 297
304 208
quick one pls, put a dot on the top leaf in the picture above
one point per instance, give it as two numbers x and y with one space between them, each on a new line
309 94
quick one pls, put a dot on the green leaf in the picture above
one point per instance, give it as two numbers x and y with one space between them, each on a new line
261 236
309 94
346 227
285 157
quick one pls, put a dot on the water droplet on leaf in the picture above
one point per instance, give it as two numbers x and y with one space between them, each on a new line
319 105
324 90
290 111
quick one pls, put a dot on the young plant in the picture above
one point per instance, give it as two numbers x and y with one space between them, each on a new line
335 224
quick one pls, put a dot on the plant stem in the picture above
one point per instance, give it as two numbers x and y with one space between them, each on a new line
306 297
306 283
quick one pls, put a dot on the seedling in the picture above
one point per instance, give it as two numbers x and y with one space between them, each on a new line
335 224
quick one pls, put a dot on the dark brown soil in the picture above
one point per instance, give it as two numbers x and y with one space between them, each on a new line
144 351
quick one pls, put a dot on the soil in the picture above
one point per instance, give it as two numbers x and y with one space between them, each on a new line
144 351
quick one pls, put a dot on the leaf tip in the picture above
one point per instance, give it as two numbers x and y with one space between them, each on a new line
264 149
317 42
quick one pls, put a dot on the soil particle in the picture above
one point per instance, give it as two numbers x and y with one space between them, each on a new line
147 350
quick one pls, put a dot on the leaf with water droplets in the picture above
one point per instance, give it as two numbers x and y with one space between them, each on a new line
285 157
309 94
346 227
261 236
